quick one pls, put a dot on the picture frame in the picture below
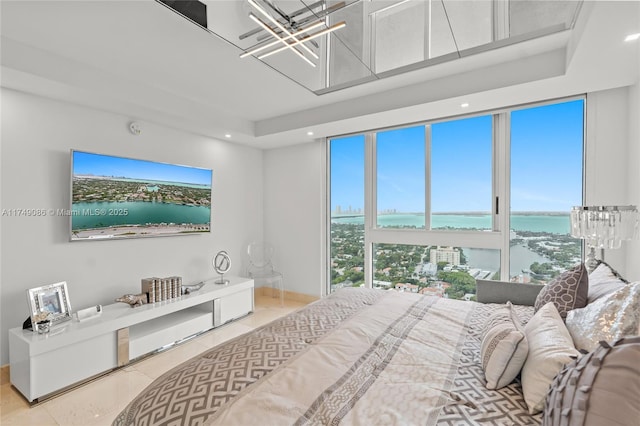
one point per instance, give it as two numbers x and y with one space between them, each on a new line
49 302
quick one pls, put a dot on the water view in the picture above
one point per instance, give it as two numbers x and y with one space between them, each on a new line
540 248
106 214
557 223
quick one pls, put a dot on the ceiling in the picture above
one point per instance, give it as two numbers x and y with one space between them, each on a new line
139 59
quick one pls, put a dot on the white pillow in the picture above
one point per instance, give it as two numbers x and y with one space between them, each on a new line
550 348
503 351
609 318
603 281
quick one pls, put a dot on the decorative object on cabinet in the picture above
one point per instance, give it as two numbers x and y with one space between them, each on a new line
221 264
160 289
133 299
88 313
191 288
43 327
49 302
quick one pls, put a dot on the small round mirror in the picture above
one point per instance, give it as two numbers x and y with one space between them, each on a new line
221 264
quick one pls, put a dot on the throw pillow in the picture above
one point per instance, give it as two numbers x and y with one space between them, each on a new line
604 280
608 318
500 315
567 291
600 388
503 351
550 348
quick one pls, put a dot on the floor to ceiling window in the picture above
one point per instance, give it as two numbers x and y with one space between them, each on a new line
347 211
430 208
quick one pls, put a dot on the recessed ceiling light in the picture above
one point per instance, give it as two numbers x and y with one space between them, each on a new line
309 133
632 37
464 105
227 135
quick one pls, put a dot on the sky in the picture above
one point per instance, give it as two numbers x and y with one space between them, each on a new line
546 164
85 163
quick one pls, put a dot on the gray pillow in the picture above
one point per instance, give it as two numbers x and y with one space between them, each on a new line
567 291
600 388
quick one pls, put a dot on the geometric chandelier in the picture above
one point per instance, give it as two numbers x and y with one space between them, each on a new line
290 38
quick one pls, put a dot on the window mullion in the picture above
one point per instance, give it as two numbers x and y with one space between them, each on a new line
502 175
370 204
427 175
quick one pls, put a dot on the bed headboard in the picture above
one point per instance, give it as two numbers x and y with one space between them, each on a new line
488 291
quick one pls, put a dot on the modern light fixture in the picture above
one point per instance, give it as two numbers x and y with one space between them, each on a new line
464 104
291 38
227 135
309 133
632 37
603 227
279 40
308 38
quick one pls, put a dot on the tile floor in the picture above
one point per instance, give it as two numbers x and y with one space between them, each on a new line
99 402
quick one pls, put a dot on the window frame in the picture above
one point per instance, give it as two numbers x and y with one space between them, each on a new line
496 238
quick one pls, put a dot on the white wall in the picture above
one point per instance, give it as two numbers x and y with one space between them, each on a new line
37 135
294 215
607 179
633 162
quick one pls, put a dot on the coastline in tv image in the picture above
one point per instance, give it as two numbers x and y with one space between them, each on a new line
118 197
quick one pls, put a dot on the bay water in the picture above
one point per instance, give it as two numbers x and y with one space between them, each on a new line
521 257
105 214
542 222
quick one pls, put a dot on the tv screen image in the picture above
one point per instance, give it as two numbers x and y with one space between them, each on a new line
118 197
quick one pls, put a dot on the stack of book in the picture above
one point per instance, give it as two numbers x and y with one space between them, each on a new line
160 289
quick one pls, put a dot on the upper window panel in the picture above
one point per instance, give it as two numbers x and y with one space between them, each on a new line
461 175
401 177
546 181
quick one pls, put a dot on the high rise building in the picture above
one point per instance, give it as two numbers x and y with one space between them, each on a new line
445 254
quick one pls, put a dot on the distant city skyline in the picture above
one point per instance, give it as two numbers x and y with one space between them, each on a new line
461 166
85 163
340 210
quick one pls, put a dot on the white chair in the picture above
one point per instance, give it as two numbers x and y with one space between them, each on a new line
261 269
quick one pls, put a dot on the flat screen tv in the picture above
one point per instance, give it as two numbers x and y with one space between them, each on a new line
116 197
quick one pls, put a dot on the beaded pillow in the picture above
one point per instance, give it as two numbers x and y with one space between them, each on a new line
608 318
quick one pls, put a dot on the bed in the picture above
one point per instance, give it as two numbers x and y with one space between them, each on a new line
365 356
358 357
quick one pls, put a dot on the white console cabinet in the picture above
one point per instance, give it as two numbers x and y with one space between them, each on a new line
73 352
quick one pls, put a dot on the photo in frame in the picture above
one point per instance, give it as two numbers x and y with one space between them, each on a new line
50 302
